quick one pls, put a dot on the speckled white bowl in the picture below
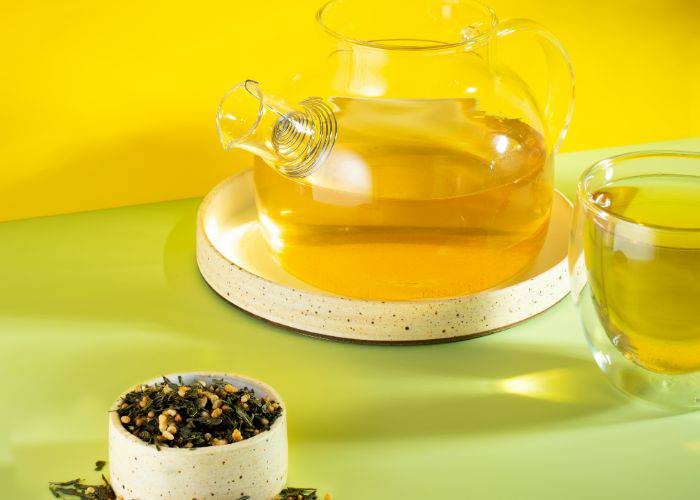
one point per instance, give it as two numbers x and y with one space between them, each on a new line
255 467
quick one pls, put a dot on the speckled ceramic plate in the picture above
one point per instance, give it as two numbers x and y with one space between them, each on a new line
236 262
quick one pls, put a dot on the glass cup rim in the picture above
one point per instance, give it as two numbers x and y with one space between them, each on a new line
583 193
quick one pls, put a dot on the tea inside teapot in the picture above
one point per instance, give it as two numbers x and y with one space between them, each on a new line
415 198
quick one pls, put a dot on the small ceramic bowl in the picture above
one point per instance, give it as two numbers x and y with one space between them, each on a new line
254 468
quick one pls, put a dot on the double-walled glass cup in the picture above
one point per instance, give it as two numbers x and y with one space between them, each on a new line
634 263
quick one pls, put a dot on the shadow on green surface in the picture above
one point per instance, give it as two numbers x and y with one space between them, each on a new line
472 387
107 299
130 266
485 389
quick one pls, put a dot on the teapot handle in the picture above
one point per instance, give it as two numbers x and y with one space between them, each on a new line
560 96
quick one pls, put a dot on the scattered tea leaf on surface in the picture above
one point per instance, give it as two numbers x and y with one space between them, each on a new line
299 494
77 489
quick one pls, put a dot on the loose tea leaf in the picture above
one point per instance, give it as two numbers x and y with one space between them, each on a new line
99 465
76 488
300 494
179 415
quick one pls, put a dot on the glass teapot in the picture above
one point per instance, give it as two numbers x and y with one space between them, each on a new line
420 166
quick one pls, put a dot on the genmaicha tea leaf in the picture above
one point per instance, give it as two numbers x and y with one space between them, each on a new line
76 488
179 415
300 494
188 416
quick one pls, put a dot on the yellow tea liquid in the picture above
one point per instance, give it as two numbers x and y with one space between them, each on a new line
646 281
419 199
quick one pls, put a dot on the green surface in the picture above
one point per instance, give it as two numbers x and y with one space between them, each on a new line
92 303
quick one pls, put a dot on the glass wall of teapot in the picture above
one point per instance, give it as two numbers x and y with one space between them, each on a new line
421 167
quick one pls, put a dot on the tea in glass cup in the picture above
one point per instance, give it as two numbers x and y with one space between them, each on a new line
635 270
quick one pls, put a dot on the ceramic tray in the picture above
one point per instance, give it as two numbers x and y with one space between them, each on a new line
236 262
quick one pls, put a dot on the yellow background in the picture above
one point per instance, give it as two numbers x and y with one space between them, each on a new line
111 103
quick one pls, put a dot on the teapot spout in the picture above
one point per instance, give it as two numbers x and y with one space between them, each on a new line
295 140
242 118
